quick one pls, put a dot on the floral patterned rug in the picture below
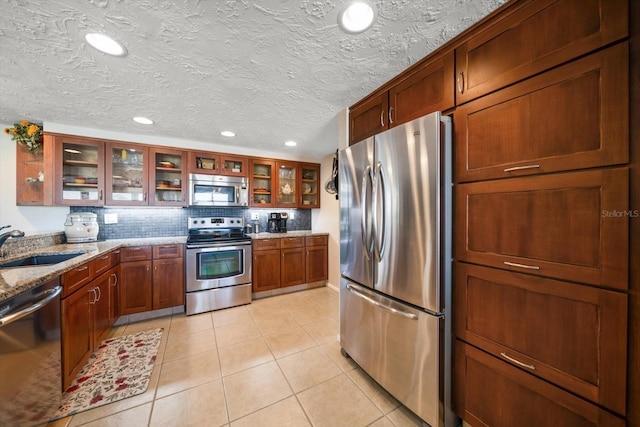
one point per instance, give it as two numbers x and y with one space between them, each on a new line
119 368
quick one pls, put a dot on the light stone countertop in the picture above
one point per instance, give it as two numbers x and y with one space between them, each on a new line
303 233
16 280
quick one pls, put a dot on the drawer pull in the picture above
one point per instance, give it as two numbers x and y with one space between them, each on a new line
166 247
517 362
105 257
519 168
514 264
83 268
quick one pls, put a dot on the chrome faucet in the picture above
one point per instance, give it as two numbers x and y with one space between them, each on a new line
4 236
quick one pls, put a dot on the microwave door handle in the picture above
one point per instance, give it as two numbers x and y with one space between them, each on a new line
237 194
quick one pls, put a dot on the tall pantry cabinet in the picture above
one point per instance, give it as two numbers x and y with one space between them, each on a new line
546 295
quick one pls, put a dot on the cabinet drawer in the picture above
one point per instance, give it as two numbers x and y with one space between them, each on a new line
316 240
115 257
572 226
101 264
168 251
534 38
573 117
74 279
568 334
135 253
292 242
266 244
490 392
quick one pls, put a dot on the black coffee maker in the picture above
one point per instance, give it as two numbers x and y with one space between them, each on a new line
277 222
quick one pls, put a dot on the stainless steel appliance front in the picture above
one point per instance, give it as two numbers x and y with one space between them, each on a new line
395 260
218 276
30 354
217 190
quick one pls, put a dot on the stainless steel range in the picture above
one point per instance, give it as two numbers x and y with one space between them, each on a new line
218 264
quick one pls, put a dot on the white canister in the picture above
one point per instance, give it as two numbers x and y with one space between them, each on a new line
81 227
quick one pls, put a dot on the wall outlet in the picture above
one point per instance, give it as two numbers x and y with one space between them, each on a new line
292 215
111 218
255 216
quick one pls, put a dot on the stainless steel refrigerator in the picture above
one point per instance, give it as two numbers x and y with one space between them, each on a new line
395 260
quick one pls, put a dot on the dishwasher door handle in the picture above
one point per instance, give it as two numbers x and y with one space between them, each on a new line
41 300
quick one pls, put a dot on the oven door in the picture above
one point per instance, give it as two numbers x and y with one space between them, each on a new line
217 266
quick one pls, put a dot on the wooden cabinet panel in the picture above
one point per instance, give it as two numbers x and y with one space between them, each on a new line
168 251
77 341
135 253
101 264
266 268
266 244
168 282
368 117
572 226
34 174
535 37
428 89
572 117
114 283
101 309
568 334
317 267
77 277
293 266
316 240
292 242
490 392
135 287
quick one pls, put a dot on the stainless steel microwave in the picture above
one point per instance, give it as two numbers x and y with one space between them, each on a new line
217 190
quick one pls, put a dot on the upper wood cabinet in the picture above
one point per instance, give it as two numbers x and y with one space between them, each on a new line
127 177
168 182
287 184
79 170
262 182
310 185
34 174
205 162
424 88
535 37
571 226
568 334
572 117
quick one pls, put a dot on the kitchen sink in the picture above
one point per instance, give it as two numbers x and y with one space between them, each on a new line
37 260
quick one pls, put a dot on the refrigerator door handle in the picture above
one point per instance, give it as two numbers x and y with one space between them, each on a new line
379 235
383 306
364 232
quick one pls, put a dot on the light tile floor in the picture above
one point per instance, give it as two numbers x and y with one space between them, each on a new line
274 362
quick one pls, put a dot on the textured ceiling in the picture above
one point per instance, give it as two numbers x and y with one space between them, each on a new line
269 70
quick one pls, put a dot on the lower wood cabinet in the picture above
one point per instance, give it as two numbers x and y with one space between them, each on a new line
289 261
87 317
490 392
151 278
568 334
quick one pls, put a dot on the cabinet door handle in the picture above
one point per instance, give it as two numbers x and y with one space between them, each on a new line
517 362
518 168
382 118
460 82
115 279
514 264
100 194
391 115
144 196
95 296
99 292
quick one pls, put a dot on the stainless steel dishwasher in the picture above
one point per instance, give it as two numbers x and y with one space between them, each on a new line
30 352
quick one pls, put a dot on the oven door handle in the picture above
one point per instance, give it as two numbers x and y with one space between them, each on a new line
227 245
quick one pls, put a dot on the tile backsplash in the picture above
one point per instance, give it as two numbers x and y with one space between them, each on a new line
154 222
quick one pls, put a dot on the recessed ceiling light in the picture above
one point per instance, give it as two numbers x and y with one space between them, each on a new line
227 133
290 143
356 17
143 120
105 44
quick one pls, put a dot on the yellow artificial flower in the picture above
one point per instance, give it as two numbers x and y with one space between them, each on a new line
24 122
32 129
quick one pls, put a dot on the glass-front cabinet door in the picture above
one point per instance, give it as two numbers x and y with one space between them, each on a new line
79 174
168 181
286 186
234 165
261 184
127 172
204 162
310 185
